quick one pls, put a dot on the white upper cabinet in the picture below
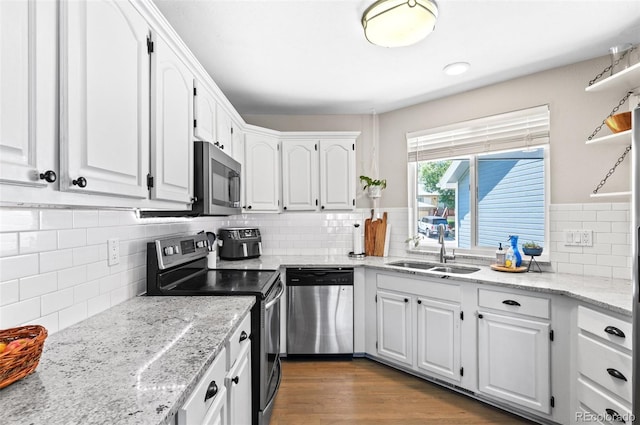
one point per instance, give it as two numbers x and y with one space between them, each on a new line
28 71
204 122
171 125
337 174
300 175
262 172
104 98
224 129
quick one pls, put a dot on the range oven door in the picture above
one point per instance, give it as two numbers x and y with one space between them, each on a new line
270 352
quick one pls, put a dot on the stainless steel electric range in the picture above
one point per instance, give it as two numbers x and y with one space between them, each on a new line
177 266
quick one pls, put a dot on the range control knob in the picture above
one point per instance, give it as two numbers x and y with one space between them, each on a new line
200 244
168 250
176 249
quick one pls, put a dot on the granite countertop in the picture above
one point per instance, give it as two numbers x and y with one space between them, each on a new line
135 363
611 294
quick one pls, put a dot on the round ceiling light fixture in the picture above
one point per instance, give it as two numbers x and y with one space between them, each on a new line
397 23
456 68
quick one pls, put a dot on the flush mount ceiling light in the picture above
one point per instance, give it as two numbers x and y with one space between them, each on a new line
456 68
396 23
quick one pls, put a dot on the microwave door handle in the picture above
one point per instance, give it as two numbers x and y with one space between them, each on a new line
244 250
260 248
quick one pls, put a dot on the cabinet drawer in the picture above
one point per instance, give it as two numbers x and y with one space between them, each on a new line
605 366
514 303
605 408
423 286
606 327
195 408
238 340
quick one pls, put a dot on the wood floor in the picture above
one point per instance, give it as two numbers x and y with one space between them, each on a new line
361 391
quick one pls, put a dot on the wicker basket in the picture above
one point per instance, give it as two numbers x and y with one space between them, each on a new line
20 362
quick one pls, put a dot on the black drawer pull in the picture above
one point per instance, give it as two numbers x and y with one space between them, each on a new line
615 416
616 374
612 330
511 302
212 390
236 380
243 336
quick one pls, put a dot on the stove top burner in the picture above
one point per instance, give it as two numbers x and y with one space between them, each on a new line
229 282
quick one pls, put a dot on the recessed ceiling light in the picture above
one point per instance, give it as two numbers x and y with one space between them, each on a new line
456 68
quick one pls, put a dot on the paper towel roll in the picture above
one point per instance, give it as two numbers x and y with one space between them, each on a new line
358 240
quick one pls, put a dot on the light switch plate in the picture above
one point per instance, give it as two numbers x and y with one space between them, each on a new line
113 251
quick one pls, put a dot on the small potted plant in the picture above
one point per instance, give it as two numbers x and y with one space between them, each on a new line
532 249
375 186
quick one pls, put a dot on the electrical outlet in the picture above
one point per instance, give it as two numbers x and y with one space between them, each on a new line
113 251
587 238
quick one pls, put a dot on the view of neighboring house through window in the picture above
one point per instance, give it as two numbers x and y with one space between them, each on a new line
483 180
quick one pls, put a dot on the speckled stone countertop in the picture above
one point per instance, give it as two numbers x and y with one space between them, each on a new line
135 363
611 294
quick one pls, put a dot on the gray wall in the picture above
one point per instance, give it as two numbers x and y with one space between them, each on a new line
575 168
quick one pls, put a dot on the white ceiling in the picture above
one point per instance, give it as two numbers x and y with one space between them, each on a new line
311 56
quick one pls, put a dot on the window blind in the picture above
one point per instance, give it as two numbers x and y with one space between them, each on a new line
511 130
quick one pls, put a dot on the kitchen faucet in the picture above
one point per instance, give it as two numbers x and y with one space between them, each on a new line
443 251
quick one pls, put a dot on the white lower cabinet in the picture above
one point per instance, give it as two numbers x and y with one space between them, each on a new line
604 367
439 337
208 402
513 360
418 325
238 383
395 336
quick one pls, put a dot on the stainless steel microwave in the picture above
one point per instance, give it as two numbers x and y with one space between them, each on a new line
216 184
216 181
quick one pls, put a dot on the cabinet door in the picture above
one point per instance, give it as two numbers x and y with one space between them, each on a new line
239 388
439 337
171 123
513 360
394 327
105 98
337 175
223 131
262 173
28 73
204 115
300 175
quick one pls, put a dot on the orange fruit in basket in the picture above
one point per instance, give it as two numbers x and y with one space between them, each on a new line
3 345
16 344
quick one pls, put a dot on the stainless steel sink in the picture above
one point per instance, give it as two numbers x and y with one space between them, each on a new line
413 264
435 267
454 269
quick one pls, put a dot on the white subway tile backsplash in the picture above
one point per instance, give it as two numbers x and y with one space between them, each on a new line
18 266
88 254
82 219
18 219
72 238
72 276
56 219
98 304
16 314
86 291
8 244
46 240
34 286
57 301
9 292
50 322
56 260
97 270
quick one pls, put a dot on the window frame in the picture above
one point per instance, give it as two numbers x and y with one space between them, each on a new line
474 250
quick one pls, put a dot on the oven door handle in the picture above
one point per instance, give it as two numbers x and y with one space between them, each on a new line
276 299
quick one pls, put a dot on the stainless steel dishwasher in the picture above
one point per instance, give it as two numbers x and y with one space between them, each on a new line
319 311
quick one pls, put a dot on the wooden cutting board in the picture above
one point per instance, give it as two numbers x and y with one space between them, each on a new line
369 236
381 233
508 269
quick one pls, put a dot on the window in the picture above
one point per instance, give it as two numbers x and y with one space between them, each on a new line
483 180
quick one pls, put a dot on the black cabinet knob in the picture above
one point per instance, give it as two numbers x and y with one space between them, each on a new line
222 147
80 182
236 380
419 301
406 300
285 208
49 176
249 207
322 207
212 390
